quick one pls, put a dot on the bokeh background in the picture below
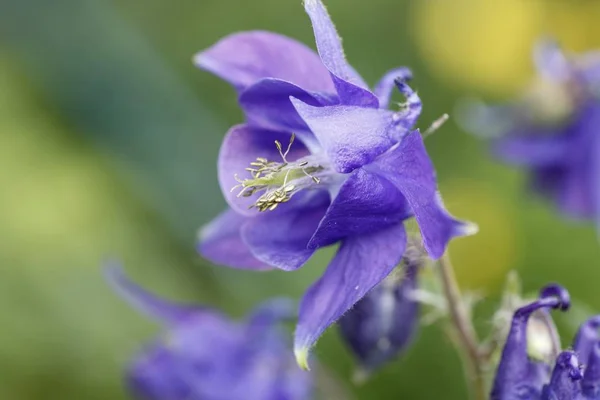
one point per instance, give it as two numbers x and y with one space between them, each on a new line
108 144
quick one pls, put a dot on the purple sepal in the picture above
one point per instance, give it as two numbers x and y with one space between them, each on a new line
351 88
409 168
360 264
244 58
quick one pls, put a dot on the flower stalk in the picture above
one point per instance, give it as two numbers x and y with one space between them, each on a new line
463 328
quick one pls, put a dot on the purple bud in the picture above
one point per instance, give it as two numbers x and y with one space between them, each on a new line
591 376
586 338
383 322
517 376
565 382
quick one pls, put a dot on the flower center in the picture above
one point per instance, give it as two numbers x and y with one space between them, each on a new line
278 181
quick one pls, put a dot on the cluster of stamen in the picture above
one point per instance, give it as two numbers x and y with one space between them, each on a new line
266 174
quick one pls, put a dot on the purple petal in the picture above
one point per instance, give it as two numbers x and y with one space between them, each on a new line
551 62
209 354
405 119
565 381
154 374
589 63
595 174
533 150
271 312
267 104
579 194
246 57
241 146
279 238
220 241
586 338
546 181
146 302
409 168
198 338
591 376
384 88
351 88
366 202
360 264
576 191
351 136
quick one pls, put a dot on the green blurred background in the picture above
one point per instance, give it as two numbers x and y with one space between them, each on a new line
108 144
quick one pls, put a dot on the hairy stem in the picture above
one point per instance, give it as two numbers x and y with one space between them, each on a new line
465 334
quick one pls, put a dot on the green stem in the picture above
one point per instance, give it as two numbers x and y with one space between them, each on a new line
463 327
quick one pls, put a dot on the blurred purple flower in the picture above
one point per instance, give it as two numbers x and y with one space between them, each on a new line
575 374
553 130
206 356
350 172
382 323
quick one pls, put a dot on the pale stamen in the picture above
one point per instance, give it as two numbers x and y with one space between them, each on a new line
437 124
268 174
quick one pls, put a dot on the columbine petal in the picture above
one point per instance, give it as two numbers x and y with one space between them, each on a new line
551 62
241 146
594 174
409 168
267 104
565 381
220 242
532 150
365 202
244 58
579 195
579 185
146 302
351 136
154 375
590 70
279 238
591 377
587 337
360 264
406 118
272 312
384 88
350 86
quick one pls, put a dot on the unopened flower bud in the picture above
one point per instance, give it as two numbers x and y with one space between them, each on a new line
383 322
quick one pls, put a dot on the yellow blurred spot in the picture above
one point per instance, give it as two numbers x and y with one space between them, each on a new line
486 45
574 23
482 260
480 44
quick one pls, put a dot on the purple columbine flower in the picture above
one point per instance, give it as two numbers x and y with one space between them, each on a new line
575 374
320 160
553 130
205 356
383 323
